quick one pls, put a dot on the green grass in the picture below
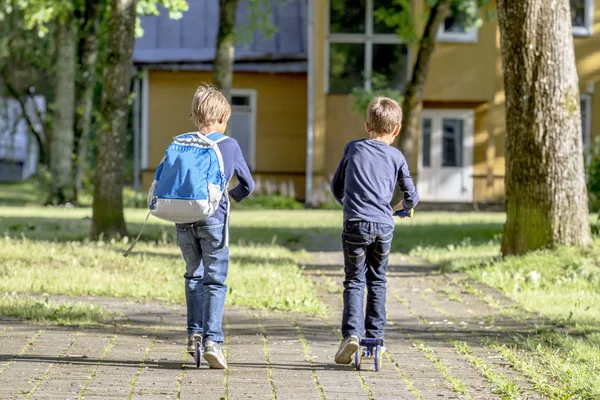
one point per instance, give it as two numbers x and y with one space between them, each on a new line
458 385
296 229
259 276
506 387
36 309
563 286
570 370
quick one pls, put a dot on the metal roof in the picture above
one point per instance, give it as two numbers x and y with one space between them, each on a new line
191 40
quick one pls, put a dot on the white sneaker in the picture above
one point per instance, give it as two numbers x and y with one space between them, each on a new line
347 348
191 344
214 355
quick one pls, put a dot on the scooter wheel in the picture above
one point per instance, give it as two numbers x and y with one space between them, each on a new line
198 354
378 354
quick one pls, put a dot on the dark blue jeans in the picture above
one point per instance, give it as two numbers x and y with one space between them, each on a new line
206 256
366 254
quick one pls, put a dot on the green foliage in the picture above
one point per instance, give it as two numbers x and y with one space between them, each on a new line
403 23
380 87
176 8
37 14
592 164
259 19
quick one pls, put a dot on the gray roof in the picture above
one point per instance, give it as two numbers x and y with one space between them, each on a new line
189 42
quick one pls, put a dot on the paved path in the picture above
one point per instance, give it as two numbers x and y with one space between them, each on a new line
273 355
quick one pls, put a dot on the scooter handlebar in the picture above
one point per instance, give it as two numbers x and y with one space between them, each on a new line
404 213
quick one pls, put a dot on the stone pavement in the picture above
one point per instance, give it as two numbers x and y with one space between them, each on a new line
273 355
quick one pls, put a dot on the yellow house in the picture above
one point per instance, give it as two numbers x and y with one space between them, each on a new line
299 113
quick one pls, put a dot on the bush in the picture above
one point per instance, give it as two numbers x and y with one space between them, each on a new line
273 202
380 87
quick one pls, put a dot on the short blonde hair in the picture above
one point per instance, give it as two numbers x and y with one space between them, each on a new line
384 115
208 106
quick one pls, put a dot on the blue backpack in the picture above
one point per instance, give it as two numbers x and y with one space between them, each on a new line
189 181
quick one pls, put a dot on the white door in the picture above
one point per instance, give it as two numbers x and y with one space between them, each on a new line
446 159
242 124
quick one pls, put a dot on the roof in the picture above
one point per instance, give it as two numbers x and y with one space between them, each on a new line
189 43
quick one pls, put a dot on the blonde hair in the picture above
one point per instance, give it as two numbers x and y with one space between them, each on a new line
384 115
208 106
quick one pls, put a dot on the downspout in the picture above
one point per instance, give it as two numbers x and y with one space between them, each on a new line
136 130
310 123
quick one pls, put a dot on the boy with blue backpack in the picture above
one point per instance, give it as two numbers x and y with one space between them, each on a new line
190 189
364 184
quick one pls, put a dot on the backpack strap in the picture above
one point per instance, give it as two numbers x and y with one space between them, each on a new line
137 238
216 137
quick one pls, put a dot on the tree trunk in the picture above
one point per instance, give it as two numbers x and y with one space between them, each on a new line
223 65
86 82
107 218
61 138
546 197
35 126
413 94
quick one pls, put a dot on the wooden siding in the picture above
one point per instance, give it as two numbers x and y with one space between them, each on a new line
280 117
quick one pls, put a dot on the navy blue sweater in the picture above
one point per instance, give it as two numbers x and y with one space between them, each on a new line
234 163
365 180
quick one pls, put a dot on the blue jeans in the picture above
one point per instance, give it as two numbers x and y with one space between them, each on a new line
206 258
366 254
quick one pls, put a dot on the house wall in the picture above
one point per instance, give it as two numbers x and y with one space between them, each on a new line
461 75
280 119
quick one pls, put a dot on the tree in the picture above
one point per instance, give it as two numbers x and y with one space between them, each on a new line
546 197
88 17
41 16
62 190
439 10
107 216
25 69
225 47
413 94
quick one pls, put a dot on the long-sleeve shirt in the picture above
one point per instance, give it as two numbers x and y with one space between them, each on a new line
365 180
234 163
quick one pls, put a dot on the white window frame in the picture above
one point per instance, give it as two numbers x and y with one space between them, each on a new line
250 93
369 38
586 134
588 28
470 36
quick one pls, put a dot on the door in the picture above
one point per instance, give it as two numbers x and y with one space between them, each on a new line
446 159
242 124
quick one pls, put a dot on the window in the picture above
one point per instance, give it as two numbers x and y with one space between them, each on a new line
426 139
582 17
454 29
452 142
585 101
242 124
360 45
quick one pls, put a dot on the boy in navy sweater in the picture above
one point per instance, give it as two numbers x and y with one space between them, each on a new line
204 244
364 184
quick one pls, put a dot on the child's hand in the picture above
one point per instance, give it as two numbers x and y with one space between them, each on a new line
398 207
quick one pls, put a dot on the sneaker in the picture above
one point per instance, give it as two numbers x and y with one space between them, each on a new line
191 344
348 347
214 355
